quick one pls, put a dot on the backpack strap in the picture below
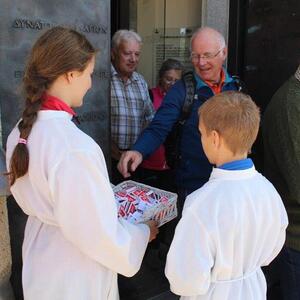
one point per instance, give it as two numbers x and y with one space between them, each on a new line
172 142
190 93
240 85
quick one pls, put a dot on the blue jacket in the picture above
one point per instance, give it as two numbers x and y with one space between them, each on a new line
194 169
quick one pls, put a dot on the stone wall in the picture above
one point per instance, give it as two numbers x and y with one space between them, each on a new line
5 253
21 23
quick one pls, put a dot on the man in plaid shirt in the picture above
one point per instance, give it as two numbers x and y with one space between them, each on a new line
131 107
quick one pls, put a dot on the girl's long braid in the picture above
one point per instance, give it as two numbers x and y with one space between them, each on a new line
58 51
34 87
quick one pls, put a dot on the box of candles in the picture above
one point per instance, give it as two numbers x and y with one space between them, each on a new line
138 203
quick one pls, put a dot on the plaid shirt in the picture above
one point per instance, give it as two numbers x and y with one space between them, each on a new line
131 108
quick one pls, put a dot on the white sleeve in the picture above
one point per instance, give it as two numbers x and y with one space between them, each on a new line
190 257
281 235
86 212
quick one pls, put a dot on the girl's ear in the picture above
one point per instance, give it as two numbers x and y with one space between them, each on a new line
69 76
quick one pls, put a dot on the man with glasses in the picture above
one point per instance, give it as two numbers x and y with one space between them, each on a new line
208 54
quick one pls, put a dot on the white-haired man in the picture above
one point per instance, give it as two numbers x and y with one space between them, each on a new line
208 54
131 106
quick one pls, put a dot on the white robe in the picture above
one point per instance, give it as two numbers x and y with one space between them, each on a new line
230 227
74 244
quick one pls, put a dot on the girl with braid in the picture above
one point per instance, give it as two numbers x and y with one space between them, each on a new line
74 244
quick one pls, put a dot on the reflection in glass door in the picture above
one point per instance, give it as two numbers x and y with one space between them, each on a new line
166 27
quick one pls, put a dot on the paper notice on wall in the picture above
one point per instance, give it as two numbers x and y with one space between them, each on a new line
171 43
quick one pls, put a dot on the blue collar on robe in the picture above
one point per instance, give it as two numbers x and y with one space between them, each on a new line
241 164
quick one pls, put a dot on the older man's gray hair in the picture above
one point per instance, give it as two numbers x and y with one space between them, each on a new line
212 32
124 35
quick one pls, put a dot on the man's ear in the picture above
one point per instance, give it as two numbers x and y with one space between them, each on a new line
225 52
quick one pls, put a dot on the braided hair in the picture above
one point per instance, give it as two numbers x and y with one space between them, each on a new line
58 51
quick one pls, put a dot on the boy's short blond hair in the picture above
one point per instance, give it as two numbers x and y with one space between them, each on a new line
235 117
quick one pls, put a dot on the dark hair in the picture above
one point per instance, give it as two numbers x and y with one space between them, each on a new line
169 64
56 52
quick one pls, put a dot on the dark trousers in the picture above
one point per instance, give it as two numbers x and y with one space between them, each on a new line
162 179
283 276
150 280
182 194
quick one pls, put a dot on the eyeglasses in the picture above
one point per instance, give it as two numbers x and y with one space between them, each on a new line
208 56
169 80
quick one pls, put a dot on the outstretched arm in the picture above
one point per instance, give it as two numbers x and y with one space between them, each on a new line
165 118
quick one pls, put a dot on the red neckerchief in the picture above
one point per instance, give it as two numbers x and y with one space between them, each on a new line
52 103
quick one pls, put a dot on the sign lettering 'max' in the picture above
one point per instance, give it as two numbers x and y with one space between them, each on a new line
18 74
40 25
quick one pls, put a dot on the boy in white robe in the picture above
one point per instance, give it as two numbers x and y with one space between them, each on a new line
236 222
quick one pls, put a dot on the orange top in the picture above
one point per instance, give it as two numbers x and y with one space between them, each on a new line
217 87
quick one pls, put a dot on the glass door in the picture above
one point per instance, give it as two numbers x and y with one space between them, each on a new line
166 27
